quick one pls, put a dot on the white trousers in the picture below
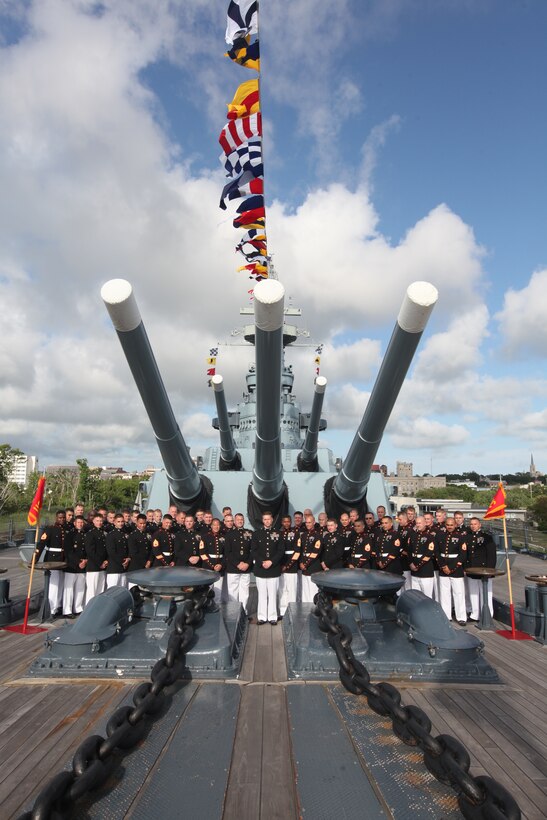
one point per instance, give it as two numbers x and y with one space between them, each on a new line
267 598
309 589
436 592
288 589
467 598
237 586
56 582
408 580
452 588
425 585
94 584
116 579
73 593
475 597
221 593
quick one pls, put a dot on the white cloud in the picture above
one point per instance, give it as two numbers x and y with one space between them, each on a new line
427 433
345 407
523 318
97 190
372 145
350 250
457 350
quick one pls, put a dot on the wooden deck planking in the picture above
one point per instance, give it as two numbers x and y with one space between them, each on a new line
248 664
486 756
244 782
45 747
17 652
524 565
18 574
503 727
263 668
278 794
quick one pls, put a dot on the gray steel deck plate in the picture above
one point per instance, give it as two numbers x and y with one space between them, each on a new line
181 767
191 776
331 781
406 785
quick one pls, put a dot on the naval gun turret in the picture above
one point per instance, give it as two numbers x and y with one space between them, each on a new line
349 488
187 488
269 456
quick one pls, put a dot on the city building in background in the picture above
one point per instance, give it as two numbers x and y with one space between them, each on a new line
22 469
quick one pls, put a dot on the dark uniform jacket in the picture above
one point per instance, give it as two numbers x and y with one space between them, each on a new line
388 552
290 550
267 545
162 547
333 549
404 534
481 549
422 552
95 547
211 550
309 544
238 549
348 536
187 546
75 550
451 552
363 554
53 541
116 549
139 549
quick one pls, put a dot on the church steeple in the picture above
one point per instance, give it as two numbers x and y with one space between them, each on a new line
533 471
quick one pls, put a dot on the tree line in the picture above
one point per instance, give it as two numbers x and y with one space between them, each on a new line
64 487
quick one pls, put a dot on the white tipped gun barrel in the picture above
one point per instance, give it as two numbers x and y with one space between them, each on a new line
228 452
269 310
307 461
351 482
182 474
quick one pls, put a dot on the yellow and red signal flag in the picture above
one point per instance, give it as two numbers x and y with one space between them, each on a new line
246 101
37 501
256 269
497 505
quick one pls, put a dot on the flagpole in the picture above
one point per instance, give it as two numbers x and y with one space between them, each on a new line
27 605
35 510
269 267
508 566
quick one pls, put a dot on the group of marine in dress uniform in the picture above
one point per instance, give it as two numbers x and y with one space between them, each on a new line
430 552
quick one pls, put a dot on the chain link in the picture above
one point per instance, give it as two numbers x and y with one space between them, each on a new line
479 798
93 760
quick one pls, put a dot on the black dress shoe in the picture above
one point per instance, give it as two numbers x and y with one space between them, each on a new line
273 623
462 623
261 622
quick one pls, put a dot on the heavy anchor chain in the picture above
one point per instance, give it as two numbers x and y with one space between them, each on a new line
479 798
92 762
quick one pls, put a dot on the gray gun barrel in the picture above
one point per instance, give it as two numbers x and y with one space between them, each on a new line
228 452
182 474
351 482
307 458
269 310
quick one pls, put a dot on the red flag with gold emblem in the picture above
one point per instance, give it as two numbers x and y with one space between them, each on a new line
37 501
497 505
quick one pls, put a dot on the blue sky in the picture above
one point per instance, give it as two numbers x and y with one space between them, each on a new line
403 140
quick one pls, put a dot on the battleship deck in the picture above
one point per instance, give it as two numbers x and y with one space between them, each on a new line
266 747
